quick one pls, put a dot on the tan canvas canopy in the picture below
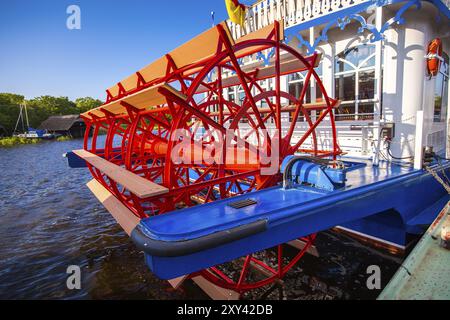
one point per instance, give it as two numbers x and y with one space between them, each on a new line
194 51
197 49
143 99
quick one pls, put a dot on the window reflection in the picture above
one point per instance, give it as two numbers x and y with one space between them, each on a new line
354 57
231 95
295 87
366 85
441 91
365 111
345 112
345 87
355 82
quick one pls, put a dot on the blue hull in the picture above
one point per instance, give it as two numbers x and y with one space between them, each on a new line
280 216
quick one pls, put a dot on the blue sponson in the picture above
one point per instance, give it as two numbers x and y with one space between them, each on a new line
196 238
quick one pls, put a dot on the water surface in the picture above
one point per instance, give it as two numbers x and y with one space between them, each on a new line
50 220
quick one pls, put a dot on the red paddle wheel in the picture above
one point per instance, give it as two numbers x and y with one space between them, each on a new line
173 123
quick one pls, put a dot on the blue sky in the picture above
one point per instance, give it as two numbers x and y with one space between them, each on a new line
39 55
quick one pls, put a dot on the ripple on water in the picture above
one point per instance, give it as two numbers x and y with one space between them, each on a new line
49 220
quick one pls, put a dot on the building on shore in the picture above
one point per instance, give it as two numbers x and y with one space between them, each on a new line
67 125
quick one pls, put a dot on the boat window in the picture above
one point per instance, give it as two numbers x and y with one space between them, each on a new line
354 82
240 101
266 85
232 94
215 107
313 92
365 110
242 96
441 91
355 57
345 87
366 84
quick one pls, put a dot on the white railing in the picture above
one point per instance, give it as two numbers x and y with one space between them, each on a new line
294 12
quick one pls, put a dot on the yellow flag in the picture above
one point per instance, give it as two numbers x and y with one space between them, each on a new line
236 11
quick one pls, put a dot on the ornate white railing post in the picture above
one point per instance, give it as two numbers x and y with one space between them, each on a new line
280 6
299 10
290 12
307 11
335 4
260 14
346 3
266 13
238 31
316 8
325 6
272 11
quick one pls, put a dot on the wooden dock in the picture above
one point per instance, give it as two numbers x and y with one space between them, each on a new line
424 275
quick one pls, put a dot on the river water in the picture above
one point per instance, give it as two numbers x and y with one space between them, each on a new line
49 220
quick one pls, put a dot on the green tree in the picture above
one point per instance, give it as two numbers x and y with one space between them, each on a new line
40 108
9 110
87 103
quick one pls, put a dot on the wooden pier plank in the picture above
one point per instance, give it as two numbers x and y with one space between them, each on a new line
215 292
139 186
300 244
124 217
145 99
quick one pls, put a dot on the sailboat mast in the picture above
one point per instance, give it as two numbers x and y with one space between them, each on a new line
18 119
21 117
26 115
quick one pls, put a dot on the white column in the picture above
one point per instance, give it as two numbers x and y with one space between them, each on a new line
284 88
313 81
447 137
378 87
409 71
418 149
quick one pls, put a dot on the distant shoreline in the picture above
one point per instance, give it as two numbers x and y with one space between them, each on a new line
38 110
9 142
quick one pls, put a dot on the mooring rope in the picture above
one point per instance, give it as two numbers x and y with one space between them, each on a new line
439 179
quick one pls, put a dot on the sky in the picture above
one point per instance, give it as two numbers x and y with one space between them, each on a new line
39 55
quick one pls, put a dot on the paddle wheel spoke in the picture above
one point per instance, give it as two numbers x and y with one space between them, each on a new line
255 270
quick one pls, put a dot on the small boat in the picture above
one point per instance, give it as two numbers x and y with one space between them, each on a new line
29 132
36 134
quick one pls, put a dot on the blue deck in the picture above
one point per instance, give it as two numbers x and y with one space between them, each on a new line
202 220
289 214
